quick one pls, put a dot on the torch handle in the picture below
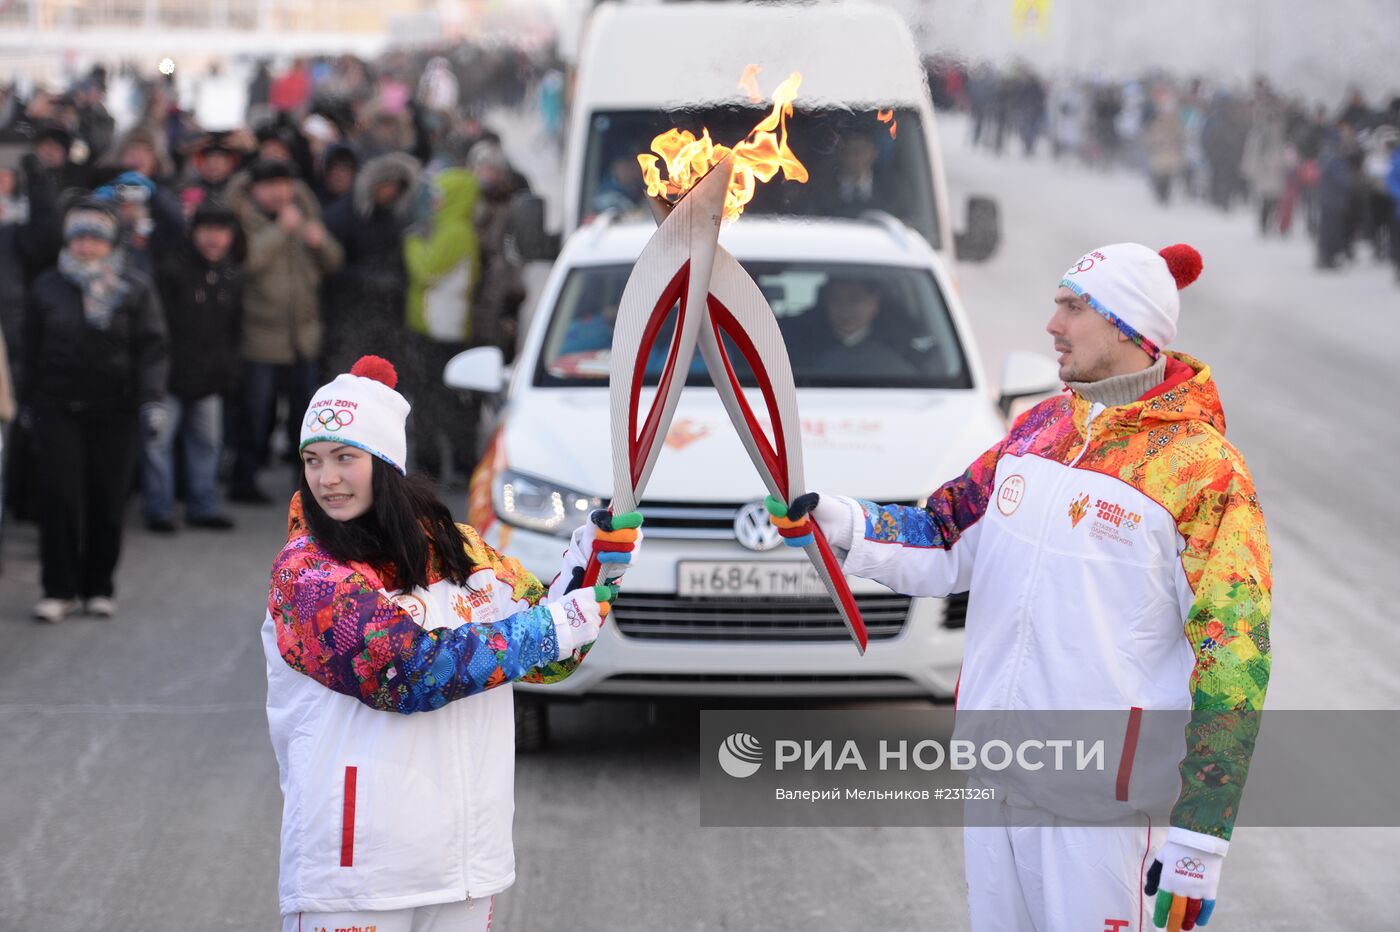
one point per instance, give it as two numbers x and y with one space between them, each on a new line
593 570
840 589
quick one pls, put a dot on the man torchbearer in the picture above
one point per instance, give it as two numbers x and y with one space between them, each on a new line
1117 559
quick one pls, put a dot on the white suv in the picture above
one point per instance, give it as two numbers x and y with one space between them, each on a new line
893 402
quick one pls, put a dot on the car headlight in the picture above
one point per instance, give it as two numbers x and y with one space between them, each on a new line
540 505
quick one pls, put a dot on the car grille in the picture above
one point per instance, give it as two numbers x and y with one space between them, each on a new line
690 520
955 611
648 615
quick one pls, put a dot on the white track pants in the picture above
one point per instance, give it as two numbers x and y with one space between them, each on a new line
1059 875
465 916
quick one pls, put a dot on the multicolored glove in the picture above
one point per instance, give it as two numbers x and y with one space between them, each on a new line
614 538
1184 879
578 617
832 513
791 520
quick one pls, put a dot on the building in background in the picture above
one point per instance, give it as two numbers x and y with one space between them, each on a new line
1297 45
50 41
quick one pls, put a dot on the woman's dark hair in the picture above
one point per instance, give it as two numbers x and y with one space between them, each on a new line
407 528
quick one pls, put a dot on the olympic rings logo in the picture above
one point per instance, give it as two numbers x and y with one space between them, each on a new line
1191 864
329 420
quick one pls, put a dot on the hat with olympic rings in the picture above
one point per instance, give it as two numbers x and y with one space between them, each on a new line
360 408
1135 288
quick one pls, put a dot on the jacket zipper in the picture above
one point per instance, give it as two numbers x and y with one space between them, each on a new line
1034 574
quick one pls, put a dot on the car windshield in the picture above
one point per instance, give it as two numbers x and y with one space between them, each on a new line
854 163
845 326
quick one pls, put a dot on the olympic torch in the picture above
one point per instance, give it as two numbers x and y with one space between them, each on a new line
684 262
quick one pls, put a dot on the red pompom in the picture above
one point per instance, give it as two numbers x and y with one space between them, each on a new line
377 368
1184 262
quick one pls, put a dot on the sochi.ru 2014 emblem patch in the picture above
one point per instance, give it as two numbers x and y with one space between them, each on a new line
1009 496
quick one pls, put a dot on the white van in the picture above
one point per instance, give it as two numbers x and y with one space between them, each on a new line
646 68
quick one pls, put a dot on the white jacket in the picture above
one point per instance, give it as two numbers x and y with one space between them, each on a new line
1117 560
383 810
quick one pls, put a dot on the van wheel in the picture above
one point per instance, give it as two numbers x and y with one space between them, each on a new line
531 724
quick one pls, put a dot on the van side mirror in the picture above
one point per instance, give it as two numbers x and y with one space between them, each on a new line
527 226
1025 375
480 369
980 239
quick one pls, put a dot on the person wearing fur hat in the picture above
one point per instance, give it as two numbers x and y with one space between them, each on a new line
1116 558
201 289
95 354
391 638
363 303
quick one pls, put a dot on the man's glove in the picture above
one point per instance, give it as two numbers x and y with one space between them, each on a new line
615 538
833 514
579 615
1184 879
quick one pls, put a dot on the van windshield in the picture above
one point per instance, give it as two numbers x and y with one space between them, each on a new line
845 326
854 164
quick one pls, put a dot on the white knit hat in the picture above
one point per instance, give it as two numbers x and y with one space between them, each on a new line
360 408
1136 288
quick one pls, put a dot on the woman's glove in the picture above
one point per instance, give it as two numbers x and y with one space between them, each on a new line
578 616
833 514
615 538
1184 879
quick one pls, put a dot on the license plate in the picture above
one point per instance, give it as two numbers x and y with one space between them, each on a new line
702 579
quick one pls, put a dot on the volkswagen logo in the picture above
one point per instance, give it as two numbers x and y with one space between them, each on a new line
753 530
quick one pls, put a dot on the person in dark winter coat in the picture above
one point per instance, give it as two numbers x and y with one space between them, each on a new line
95 123
1338 185
145 234
363 304
500 289
201 289
95 344
47 175
336 176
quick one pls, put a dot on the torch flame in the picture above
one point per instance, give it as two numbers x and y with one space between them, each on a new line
887 116
759 157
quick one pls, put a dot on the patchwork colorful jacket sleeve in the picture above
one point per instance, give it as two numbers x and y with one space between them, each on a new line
1227 565
333 625
929 550
526 587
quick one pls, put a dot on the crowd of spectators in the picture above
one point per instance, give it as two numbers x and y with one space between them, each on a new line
171 294
1332 168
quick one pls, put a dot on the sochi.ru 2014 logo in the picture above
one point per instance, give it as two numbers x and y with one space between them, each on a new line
740 755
